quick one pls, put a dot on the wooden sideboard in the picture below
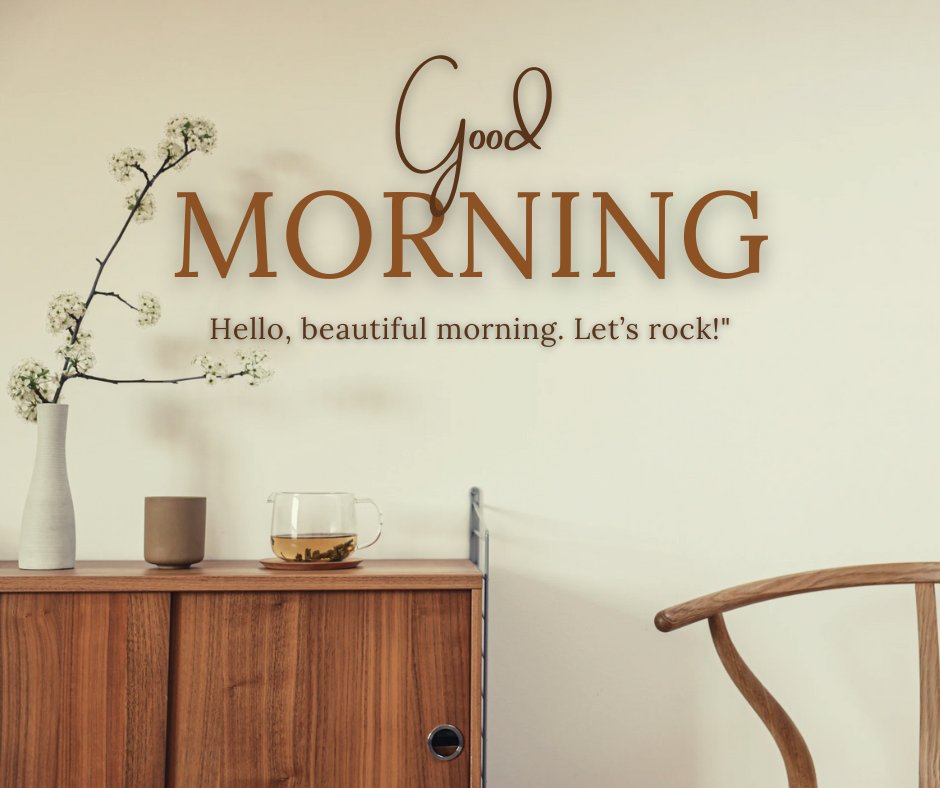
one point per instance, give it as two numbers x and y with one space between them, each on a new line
227 674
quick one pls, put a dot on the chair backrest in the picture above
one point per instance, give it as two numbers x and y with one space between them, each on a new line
796 757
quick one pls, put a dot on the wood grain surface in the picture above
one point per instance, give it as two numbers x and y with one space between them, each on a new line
802 583
338 690
929 685
83 689
799 764
240 576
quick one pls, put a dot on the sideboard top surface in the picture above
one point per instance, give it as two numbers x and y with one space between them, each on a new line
130 576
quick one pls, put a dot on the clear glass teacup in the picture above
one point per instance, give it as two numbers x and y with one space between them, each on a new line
313 526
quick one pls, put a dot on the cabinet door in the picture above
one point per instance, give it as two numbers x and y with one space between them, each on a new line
318 689
83 681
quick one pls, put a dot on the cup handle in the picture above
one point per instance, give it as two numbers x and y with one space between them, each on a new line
378 512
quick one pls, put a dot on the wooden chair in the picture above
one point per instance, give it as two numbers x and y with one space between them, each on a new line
796 757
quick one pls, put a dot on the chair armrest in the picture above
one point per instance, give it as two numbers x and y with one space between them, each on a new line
710 605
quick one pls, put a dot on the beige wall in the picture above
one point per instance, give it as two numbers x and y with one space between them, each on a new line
623 477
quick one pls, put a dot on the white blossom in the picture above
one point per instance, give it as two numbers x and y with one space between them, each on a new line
170 152
31 383
78 352
64 311
148 309
124 163
192 133
252 366
146 209
213 368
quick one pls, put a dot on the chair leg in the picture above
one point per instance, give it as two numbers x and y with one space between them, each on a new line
799 763
929 685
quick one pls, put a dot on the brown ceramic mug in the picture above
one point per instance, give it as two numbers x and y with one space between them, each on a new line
174 531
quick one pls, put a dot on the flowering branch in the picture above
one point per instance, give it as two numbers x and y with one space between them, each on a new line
213 370
31 382
172 381
119 297
142 209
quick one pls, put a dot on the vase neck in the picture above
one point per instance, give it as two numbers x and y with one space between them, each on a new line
52 421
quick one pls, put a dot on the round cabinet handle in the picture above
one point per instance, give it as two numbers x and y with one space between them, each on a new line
445 742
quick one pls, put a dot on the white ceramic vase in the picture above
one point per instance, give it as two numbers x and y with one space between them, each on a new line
47 535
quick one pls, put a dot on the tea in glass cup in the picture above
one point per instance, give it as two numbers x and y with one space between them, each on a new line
314 547
311 527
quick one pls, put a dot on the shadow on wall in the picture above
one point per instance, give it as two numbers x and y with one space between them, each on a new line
200 459
273 170
582 691
198 429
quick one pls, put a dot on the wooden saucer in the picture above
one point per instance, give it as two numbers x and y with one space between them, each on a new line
277 563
